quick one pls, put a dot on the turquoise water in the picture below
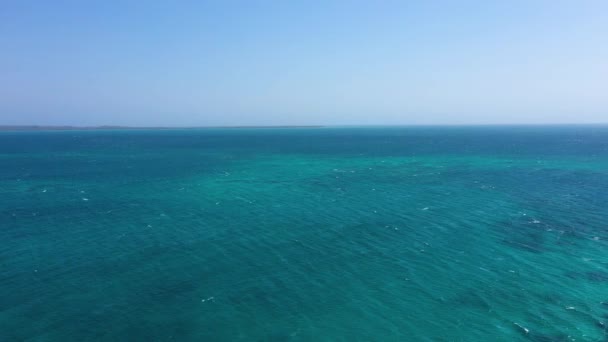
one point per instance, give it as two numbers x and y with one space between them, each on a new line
325 234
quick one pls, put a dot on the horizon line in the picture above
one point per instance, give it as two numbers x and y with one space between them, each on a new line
127 127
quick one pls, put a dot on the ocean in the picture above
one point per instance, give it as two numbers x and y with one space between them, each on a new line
481 233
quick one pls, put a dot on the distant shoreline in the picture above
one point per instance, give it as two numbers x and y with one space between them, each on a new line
108 128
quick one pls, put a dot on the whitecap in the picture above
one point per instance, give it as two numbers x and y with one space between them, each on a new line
521 327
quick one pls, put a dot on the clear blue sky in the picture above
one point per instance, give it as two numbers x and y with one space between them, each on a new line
180 63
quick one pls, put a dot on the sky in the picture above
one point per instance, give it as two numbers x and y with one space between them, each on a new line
210 63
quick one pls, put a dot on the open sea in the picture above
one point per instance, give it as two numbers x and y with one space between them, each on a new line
488 233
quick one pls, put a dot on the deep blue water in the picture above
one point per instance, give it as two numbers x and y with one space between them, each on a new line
489 233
